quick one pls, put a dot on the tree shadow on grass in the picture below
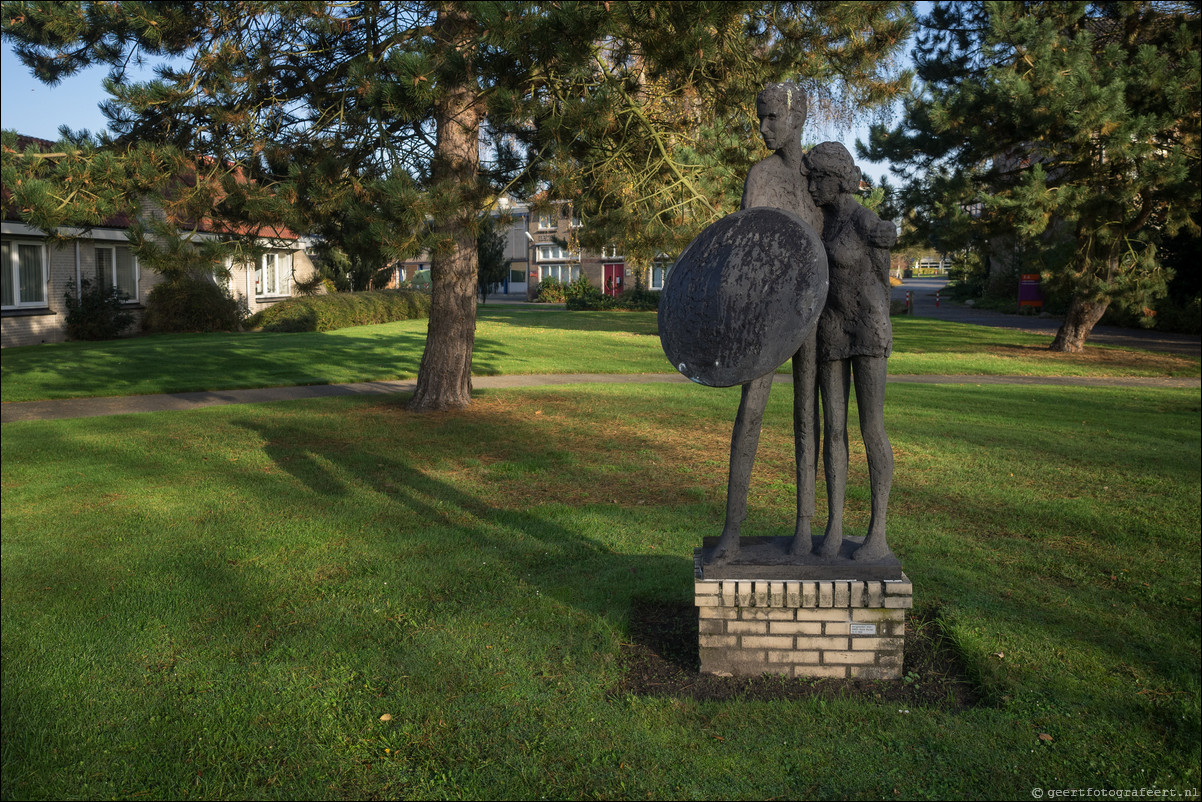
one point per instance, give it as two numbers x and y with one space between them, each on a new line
648 596
401 474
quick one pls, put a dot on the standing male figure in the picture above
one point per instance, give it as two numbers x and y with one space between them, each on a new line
780 181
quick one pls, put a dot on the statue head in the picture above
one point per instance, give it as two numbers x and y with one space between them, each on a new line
782 111
832 172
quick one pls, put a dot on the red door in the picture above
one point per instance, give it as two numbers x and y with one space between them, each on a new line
615 275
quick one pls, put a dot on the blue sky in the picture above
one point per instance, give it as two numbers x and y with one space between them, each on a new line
30 107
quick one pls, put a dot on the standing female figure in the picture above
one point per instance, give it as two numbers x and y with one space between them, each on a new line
854 341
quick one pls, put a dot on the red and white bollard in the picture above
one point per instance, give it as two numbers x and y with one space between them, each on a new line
936 299
909 302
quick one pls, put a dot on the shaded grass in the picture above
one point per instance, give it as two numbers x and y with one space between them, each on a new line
508 341
223 603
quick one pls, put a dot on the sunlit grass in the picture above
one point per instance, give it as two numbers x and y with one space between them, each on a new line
509 340
223 603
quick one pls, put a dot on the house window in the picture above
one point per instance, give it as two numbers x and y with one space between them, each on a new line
576 222
117 267
553 253
24 276
659 274
610 252
546 221
273 275
565 273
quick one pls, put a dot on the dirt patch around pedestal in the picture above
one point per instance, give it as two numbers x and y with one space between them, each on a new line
661 660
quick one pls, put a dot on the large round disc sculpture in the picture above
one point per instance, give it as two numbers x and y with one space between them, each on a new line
743 297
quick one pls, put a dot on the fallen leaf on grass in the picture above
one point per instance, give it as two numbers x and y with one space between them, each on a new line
1043 736
386 717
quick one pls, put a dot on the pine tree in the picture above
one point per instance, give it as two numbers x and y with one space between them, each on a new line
654 140
490 246
1067 132
640 113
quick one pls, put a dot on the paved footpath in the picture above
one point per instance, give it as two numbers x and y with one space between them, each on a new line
126 405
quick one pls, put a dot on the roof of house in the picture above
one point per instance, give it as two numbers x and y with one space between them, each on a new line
11 213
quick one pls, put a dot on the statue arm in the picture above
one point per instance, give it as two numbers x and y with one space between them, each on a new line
884 235
749 189
758 189
879 235
876 232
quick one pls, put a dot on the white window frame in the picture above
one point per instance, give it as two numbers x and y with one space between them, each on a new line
111 280
546 221
13 270
664 269
565 273
279 263
551 252
610 252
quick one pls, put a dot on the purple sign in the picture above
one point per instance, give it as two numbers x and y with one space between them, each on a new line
1029 293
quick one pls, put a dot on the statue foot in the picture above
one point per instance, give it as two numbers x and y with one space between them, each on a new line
829 548
726 548
801 539
874 549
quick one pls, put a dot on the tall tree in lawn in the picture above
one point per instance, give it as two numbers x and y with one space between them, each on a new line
444 379
598 101
378 101
1069 131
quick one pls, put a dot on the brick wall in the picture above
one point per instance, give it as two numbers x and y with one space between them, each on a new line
839 628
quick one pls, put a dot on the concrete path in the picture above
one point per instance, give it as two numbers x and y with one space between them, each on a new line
126 405
924 305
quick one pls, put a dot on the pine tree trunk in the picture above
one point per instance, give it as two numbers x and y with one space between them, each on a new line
1078 323
444 380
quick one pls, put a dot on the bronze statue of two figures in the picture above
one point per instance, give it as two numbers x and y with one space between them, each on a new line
801 273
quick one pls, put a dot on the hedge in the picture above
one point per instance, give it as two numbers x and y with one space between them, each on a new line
342 309
633 300
192 303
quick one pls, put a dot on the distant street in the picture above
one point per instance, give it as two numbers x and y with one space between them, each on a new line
924 290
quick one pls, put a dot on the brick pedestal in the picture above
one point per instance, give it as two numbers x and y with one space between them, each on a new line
807 625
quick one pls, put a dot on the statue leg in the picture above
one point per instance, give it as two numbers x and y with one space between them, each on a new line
805 441
834 380
870 375
743 443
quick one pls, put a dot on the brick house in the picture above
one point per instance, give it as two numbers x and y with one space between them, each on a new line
541 244
35 272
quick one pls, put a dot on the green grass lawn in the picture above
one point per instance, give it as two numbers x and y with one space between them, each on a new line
509 340
223 603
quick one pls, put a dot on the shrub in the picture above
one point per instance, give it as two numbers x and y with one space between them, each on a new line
582 295
96 312
1181 315
639 299
192 302
341 310
633 300
551 291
